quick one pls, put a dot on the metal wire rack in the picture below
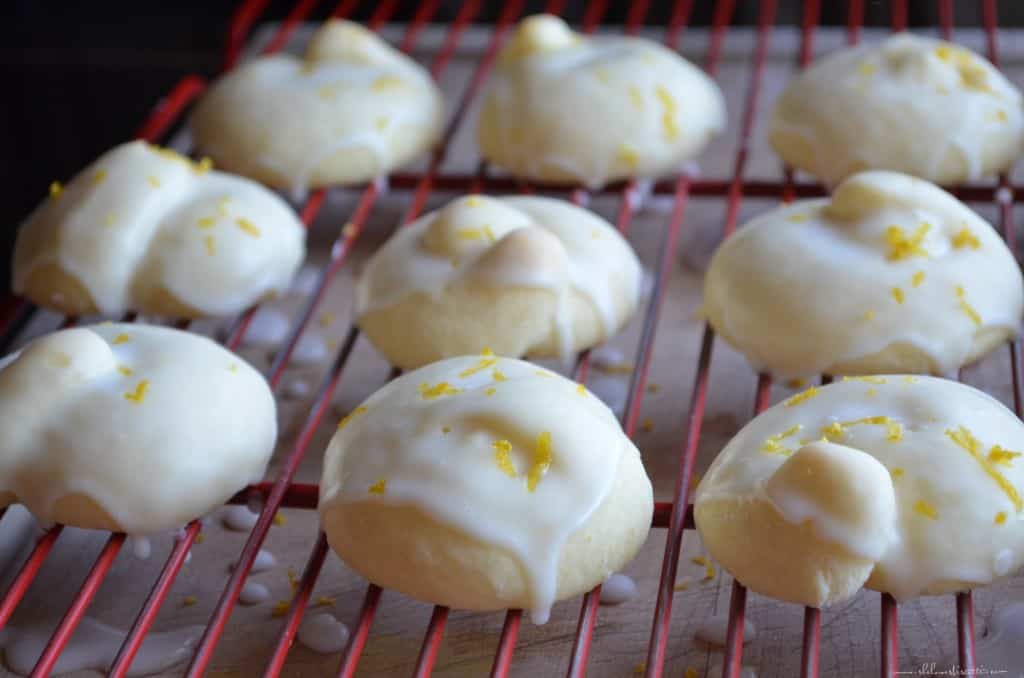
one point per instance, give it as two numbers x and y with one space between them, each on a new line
673 517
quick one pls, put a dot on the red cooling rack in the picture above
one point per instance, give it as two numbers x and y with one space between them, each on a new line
674 517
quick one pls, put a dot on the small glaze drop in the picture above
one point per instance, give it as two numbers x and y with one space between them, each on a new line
311 348
238 518
713 630
264 561
306 281
141 547
253 593
269 327
323 633
617 589
296 389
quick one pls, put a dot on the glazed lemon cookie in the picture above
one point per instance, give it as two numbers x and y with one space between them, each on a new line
907 485
130 428
145 229
892 274
484 483
523 275
353 108
910 104
567 108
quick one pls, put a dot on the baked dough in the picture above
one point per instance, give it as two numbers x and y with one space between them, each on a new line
484 483
907 485
562 107
130 428
145 229
892 274
910 104
521 275
353 108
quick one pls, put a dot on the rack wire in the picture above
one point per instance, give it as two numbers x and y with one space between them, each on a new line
675 517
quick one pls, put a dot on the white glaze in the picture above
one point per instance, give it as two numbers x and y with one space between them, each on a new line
310 349
953 520
140 219
397 437
268 327
253 593
187 426
910 103
280 118
713 630
617 589
561 105
94 646
810 286
323 633
585 255
296 389
140 546
238 518
264 561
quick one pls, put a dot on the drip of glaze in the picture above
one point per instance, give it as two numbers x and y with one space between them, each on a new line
323 633
141 546
265 560
253 593
1002 648
94 646
305 281
311 348
269 327
296 389
238 518
617 589
714 628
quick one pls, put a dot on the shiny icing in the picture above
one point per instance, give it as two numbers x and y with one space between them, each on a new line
510 454
142 218
513 241
280 117
889 259
930 488
563 106
909 103
155 425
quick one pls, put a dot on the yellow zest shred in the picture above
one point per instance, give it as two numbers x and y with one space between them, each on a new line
965 238
965 439
639 668
200 538
773 444
542 457
503 455
473 201
709 572
966 307
479 367
837 429
868 378
636 98
690 672
347 419
896 473
1000 518
153 181
903 247
871 392
378 487
628 155
188 601
211 245
279 519
125 370
99 177
898 295
280 608
802 397
446 430
293 579
204 165
581 389
869 315
56 188
498 375
233 367
442 388
668 114
699 560
866 69
325 601
682 584
139 394
909 379
120 339
490 391
917 279
796 383
386 82
925 509
207 222
647 426
653 388
797 218
1000 455
248 227
326 319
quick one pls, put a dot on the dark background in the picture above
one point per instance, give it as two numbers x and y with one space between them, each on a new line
79 77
